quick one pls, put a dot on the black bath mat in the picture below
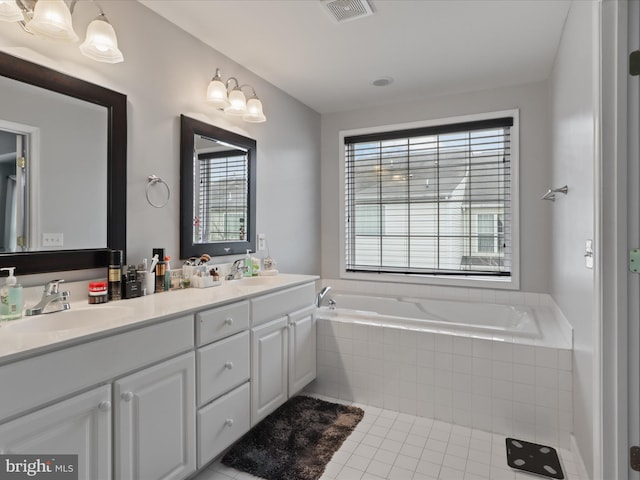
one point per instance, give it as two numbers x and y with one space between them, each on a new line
296 441
533 458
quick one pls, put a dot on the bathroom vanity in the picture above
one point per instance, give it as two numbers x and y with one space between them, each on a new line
162 387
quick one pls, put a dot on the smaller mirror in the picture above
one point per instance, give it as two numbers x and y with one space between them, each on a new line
217 190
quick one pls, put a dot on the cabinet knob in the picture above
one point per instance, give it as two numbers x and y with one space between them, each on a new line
104 406
229 422
228 365
229 321
127 396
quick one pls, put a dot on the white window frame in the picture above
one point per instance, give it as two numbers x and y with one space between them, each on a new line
511 282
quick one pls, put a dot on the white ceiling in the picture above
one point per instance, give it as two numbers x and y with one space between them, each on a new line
429 47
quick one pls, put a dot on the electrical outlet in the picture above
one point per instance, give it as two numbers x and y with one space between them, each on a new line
52 240
262 242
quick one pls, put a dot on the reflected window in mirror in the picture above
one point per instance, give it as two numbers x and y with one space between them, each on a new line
217 190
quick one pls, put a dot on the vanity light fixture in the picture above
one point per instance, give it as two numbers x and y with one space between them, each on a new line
9 11
52 19
233 101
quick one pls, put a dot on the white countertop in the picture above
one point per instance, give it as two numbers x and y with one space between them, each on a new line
31 335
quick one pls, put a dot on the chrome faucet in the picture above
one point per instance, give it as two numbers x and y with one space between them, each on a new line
320 297
53 300
237 270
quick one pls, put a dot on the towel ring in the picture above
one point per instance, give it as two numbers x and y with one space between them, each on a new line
152 180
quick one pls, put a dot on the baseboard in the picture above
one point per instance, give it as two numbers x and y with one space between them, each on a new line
577 457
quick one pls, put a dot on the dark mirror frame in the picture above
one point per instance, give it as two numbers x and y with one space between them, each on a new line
188 128
116 105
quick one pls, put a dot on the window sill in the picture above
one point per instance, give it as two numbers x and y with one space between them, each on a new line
497 283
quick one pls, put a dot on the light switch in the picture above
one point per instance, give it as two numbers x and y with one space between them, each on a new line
588 253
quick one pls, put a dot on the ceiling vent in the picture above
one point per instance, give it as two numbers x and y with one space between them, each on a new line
346 10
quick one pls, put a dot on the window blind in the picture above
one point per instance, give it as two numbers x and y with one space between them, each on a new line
433 200
221 200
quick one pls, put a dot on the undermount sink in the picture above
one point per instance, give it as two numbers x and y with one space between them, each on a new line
78 317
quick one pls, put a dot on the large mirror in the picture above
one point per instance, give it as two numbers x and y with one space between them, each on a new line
217 190
62 170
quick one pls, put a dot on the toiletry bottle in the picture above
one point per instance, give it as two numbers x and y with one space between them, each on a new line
248 265
160 269
167 274
11 297
115 275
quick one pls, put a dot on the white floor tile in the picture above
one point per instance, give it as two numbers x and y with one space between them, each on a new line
388 445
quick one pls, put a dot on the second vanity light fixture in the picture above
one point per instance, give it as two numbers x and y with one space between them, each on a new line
232 100
52 19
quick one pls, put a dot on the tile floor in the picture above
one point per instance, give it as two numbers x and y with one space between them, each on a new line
397 446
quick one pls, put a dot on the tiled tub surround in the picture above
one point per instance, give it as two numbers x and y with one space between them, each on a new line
515 386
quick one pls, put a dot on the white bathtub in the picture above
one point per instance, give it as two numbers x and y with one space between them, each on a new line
482 319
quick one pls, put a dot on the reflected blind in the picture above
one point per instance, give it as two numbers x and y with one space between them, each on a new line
221 197
433 200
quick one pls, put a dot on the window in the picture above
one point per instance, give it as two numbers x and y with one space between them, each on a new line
434 200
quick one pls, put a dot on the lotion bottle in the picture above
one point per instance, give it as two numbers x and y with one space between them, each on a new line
11 297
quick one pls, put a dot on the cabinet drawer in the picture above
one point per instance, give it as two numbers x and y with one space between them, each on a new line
222 366
274 305
221 322
221 423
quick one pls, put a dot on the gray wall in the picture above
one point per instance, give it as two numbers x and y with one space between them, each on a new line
572 285
165 73
535 167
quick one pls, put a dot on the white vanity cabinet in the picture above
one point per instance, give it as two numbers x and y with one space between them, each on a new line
302 349
43 413
283 347
80 425
270 351
159 398
223 372
154 422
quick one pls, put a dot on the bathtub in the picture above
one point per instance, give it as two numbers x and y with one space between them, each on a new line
458 317
504 369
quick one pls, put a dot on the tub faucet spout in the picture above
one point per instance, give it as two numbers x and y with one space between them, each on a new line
323 293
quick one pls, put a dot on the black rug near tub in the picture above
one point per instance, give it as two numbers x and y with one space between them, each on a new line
296 441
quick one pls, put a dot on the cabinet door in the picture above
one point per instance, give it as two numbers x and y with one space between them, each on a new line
302 349
268 368
79 425
155 422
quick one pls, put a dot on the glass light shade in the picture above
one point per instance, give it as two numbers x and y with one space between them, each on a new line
254 111
237 103
52 19
9 11
101 43
217 93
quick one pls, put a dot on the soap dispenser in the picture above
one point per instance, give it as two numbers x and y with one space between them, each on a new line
11 297
248 265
